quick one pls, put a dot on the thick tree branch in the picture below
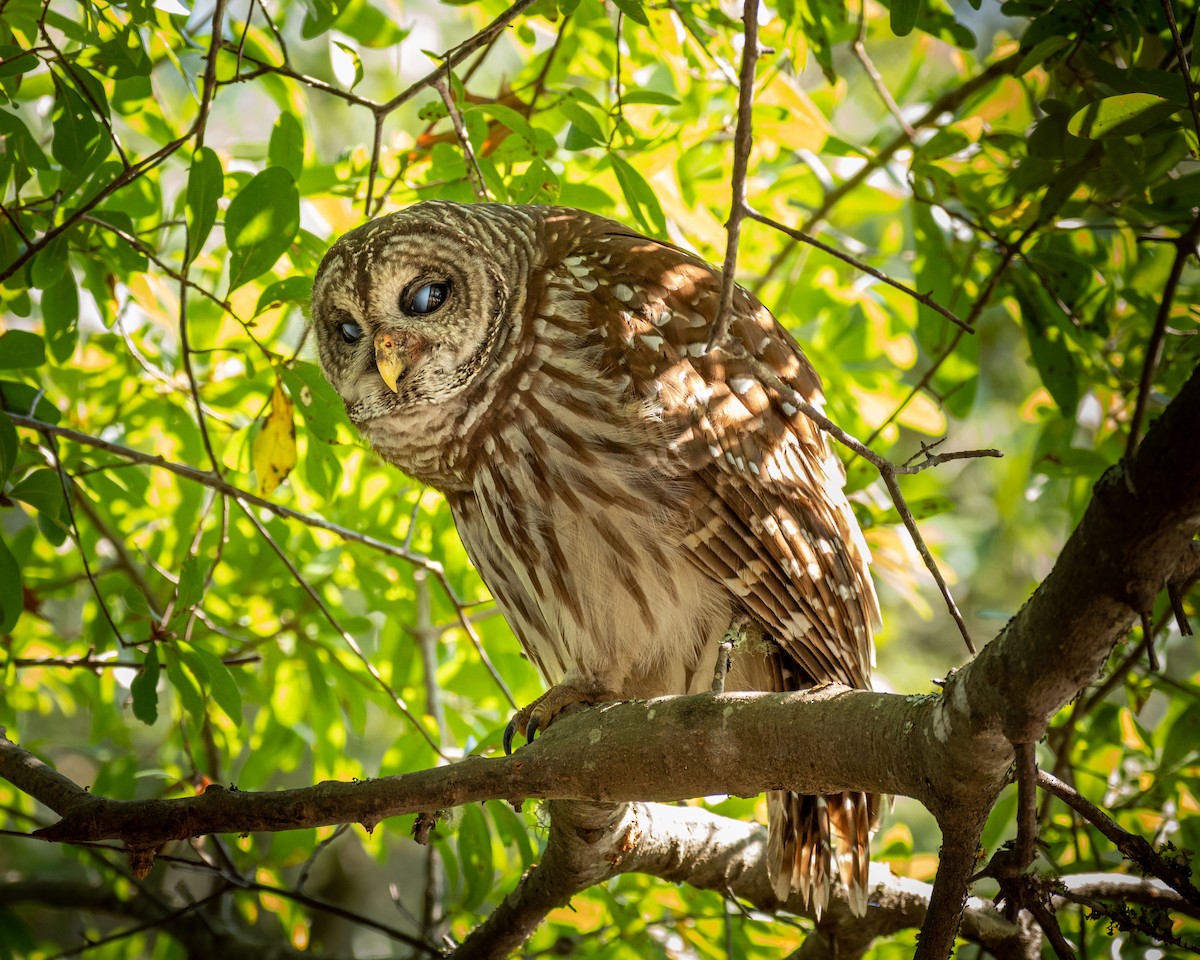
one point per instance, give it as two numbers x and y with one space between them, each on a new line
952 751
590 843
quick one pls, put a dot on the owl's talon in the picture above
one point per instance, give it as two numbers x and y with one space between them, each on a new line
509 731
532 729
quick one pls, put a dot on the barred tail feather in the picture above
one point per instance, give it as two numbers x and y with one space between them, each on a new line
806 835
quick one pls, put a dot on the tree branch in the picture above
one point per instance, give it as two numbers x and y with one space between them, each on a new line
954 754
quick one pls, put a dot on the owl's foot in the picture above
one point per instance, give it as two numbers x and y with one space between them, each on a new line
542 712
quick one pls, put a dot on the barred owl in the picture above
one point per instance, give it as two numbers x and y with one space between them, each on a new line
626 494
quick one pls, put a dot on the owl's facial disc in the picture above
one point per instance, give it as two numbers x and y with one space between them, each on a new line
406 310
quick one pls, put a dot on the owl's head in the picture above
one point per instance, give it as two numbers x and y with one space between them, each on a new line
409 308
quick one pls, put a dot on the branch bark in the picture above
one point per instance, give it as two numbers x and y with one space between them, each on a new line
952 751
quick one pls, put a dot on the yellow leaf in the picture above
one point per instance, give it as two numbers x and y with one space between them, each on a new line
274 451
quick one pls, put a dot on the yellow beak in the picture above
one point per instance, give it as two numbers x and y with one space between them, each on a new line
388 359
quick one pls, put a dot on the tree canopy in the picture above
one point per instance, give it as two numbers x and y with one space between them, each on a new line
232 638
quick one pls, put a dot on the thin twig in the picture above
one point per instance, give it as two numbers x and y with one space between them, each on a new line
209 90
1135 848
868 65
1148 642
207 479
1181 55
1185 246
1027 819
743 141
64 481
922 298
474 174
338 628
887 470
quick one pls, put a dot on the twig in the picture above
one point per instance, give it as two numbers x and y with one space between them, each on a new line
208 479
1185 246
1027 819
65 483
1148 642
427 635
948 102
376 151
124 560
1049 924
743 141
922 298
350 642
1133 847
474 174
1181 55
860 51
887 470
210 72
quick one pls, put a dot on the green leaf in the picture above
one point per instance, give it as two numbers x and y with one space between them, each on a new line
260 224
904 16
633 10
585 129
15 939
286 149
649 96
42 490
1183 738
52 263
21 350
508 117
60 315
1041 53
1122 116
220 682
12 594
145 688
475 855
643 202
348 56
1051 355
190 589
185 685
513 831
77 133
206 184
28 401
289 290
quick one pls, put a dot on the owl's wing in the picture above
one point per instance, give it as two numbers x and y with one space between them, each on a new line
770 516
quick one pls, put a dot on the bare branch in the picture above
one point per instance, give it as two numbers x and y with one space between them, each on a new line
1135 848
1185 246
474 174
922 298
742 142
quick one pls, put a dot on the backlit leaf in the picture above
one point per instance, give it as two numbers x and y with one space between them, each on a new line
274 449
260 224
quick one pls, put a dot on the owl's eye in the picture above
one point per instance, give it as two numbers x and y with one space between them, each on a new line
428 298
351 332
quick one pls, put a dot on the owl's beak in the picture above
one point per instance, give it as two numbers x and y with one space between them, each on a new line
388 359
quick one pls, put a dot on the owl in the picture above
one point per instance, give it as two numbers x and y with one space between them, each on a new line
628 494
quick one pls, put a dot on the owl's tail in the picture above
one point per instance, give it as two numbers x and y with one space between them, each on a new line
806 835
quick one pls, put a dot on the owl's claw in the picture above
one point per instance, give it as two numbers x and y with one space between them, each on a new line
542 712
509 731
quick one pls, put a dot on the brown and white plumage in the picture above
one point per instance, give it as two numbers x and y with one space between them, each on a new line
625 493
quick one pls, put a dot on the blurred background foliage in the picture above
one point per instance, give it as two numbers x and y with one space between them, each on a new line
168 191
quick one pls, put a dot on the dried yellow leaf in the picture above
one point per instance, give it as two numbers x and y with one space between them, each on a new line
274 449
